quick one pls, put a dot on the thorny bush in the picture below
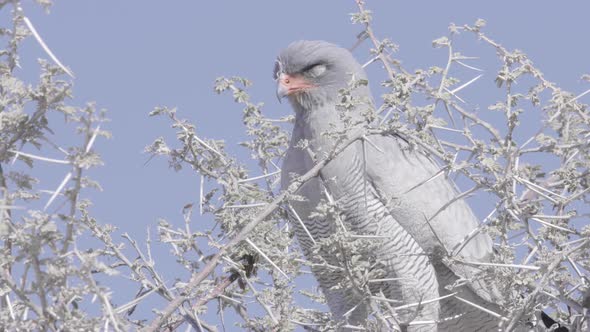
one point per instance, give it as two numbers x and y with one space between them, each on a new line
248 262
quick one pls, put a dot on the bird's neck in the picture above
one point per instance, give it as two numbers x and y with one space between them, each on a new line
315 126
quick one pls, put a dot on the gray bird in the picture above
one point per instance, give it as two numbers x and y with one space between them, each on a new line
371 182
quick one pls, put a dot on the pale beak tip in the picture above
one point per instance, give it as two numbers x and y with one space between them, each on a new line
282 91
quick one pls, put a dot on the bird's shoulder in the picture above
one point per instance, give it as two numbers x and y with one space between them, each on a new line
424 197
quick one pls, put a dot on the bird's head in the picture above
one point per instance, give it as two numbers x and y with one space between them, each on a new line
310 73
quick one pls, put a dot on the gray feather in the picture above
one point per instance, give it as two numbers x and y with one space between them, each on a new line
371 184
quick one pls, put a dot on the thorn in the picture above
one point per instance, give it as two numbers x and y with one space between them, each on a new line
58 190
454 91
45 47
468 66
267 258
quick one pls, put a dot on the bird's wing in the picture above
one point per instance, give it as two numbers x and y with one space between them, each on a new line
419 199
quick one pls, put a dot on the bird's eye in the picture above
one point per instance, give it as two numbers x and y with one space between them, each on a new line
317 70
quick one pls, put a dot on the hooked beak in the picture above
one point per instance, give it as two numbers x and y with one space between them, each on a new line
290 84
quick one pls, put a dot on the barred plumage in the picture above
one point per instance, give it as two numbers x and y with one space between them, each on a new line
370 184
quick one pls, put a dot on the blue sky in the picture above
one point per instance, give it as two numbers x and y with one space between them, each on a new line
130 56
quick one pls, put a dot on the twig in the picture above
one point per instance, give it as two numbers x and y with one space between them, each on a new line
382 57
259 177
554 226
245 206
217 291
253 245
434 176
453 200
201 193
416 304
296 215
387 279
248 227
516 266
497 315
7 279
530 299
